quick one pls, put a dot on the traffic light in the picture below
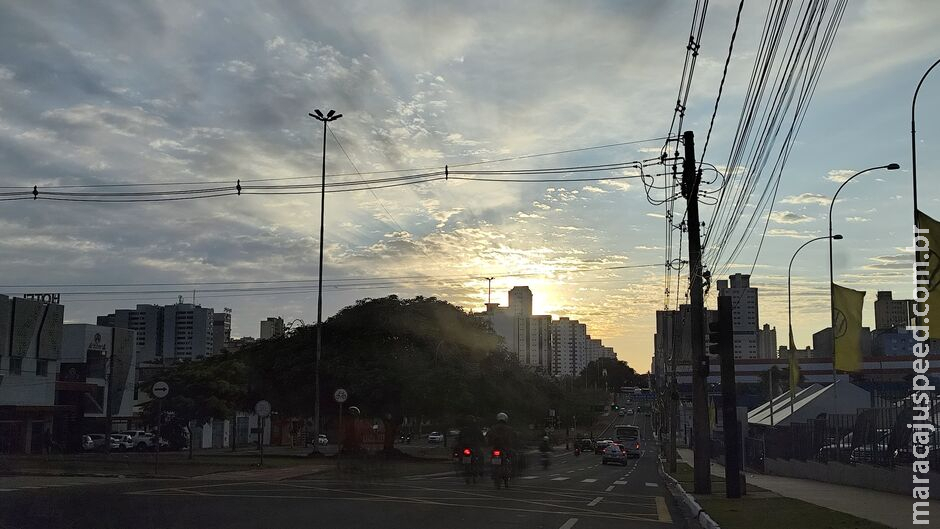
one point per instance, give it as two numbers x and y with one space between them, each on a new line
713 343
720 334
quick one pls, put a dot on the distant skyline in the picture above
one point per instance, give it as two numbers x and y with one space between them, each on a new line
176 92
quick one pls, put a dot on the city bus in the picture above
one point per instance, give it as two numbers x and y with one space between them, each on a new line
627 432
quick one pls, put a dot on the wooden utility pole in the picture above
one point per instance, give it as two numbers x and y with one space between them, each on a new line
700 424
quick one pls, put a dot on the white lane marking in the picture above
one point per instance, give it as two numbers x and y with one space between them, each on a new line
621 482
608 489
595 501
651 484
588 480
569 524
560 479
7 490
530 477
570 471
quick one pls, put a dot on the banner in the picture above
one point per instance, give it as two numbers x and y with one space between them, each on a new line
933 265
847 327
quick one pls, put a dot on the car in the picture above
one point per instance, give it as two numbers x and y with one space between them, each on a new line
322 440
614 454
93 442
621 413
599 446
586 445
633 448
630 411
140 440
874 451
121 442
435 437
836 451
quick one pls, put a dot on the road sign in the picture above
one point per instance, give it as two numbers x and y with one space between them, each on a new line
340 395
263 408
160 389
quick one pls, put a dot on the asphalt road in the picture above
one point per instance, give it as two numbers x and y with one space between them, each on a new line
575 492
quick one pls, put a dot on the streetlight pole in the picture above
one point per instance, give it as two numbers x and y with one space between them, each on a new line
837 237
330 116
832 316
914 137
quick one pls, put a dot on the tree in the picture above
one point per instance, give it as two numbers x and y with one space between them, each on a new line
619 374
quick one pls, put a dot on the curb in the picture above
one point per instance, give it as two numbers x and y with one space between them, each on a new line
692 508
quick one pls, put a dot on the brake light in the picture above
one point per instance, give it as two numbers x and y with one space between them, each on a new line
496 453
466 451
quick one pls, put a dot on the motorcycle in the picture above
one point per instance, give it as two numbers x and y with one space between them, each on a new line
501 466
577 451
468 465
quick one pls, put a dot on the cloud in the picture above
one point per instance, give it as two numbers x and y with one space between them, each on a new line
890 262
807 198
779 232
619 185
117 120
593 189
656 215
839 175
239 68
6 74
645 247
788 217
856 219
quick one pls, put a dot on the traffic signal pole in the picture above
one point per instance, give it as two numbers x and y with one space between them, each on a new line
700 424
729 406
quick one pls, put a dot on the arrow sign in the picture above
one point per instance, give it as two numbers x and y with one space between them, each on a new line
160 389
263 408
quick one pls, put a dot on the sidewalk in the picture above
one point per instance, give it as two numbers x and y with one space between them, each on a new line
893 510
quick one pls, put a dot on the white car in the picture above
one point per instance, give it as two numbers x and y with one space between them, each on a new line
121 442
435 437
140 440
322 440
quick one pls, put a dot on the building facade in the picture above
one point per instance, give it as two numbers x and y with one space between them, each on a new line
767 342
891 313
744 314
221 330
272 328
187 332
147 323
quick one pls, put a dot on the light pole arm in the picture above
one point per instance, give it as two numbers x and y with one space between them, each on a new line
914 136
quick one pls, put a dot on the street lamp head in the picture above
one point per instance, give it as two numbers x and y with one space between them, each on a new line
837 236
893 166
317 112
330 113
337 116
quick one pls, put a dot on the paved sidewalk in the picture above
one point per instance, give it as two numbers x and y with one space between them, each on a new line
893 510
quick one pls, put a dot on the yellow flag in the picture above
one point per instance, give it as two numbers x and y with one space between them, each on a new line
933 265
794 366
847 328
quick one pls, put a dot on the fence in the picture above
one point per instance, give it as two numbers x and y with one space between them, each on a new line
874 436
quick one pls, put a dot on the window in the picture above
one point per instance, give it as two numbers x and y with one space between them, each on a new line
16 366
42 368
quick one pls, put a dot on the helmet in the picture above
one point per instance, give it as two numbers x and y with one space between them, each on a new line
354 410
545 438
502 417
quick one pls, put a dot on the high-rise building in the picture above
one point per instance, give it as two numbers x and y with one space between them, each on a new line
890 313
744 314
187 332
221 329
272 328
147 323
526 335
520 301
767 342
564 355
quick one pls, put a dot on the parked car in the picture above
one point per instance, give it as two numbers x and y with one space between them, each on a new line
140 440
322 440
614 454
93 442
435 437
121 442
836 451
873 452
599 446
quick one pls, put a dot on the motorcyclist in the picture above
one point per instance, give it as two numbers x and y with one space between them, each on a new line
546 445
501 436
471 436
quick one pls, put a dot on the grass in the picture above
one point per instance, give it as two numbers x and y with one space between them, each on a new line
764 509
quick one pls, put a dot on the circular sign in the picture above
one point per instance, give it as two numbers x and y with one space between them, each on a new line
263 408
160 389
340 395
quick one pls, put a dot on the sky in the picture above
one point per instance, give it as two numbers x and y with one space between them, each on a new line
106 93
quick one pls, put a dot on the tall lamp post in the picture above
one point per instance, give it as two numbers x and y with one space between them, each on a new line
330 116
836 237
914 137
832 317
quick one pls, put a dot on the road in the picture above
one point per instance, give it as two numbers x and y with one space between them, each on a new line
575 492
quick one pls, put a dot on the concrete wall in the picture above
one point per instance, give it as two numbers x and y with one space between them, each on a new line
897 480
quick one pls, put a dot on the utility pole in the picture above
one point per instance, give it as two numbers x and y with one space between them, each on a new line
107 396
733 476
673 392
700 427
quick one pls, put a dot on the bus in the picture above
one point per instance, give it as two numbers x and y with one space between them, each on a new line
627 432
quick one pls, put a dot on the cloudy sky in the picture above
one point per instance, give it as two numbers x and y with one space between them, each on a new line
105 92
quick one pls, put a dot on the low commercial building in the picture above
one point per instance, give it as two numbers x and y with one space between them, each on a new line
30 345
